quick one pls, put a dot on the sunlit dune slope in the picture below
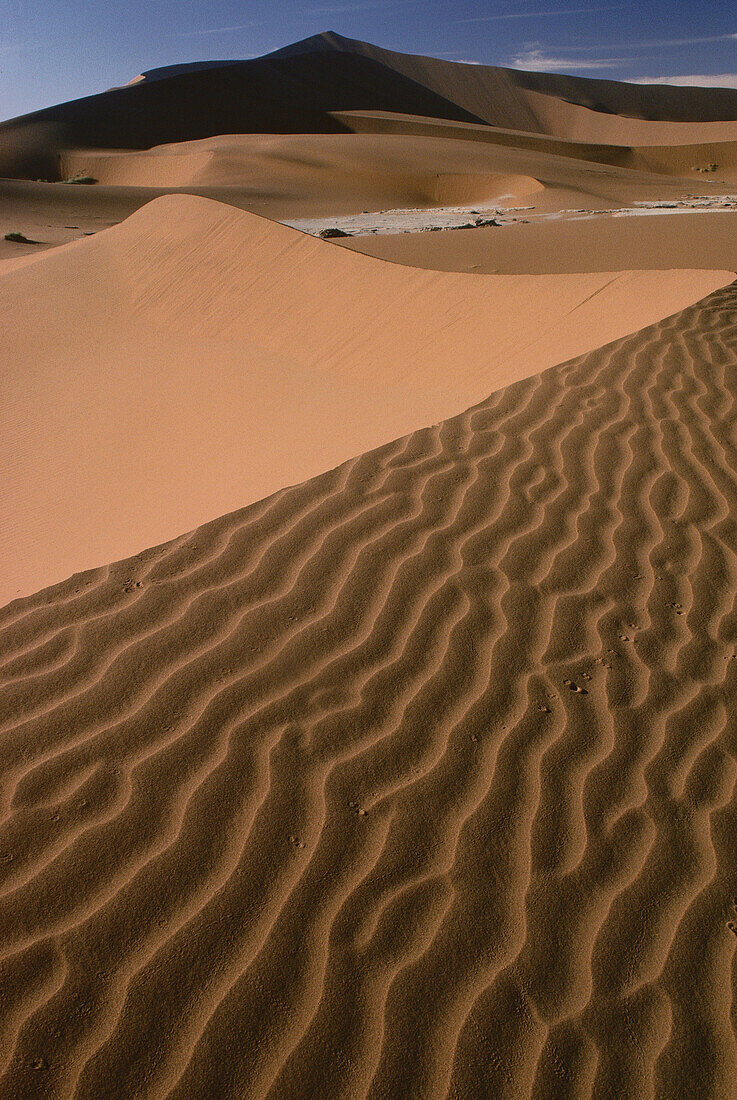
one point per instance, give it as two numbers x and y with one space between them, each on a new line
433 163
679 149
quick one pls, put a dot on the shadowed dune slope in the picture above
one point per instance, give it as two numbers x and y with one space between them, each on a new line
578 108
458 80
414 780
196 358
267 95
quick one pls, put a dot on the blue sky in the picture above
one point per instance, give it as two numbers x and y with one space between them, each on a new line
54 50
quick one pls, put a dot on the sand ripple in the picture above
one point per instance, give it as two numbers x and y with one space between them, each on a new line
416 780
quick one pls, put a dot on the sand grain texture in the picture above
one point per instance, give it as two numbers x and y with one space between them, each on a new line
414 780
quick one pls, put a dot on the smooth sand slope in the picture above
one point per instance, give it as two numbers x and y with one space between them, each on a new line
416 780
594 243
197 358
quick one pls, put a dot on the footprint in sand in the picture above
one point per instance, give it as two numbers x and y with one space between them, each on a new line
573 686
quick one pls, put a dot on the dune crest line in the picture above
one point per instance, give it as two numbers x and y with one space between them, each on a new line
417 779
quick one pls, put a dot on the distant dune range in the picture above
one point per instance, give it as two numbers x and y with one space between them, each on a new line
414 780
332 85
298 89
331 126
196 358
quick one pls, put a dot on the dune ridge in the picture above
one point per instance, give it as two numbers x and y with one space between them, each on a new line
416 779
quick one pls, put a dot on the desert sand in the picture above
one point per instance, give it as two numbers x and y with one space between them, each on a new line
368 631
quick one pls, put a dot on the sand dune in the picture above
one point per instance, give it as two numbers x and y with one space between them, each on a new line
320 171
414 780
196 358
668 103
336 126
287 177
703 160
573 108
565 106
57 214
388 122
322 176
297 175
415 775
577 123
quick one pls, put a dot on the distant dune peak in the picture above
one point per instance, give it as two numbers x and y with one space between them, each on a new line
325 40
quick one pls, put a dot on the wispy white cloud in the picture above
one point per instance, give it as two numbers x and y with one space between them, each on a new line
466 61
665 42
362 5
648 43
218 30
18 47
538 14
537 61
701 80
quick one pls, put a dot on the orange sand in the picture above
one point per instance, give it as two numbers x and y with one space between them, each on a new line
415 778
